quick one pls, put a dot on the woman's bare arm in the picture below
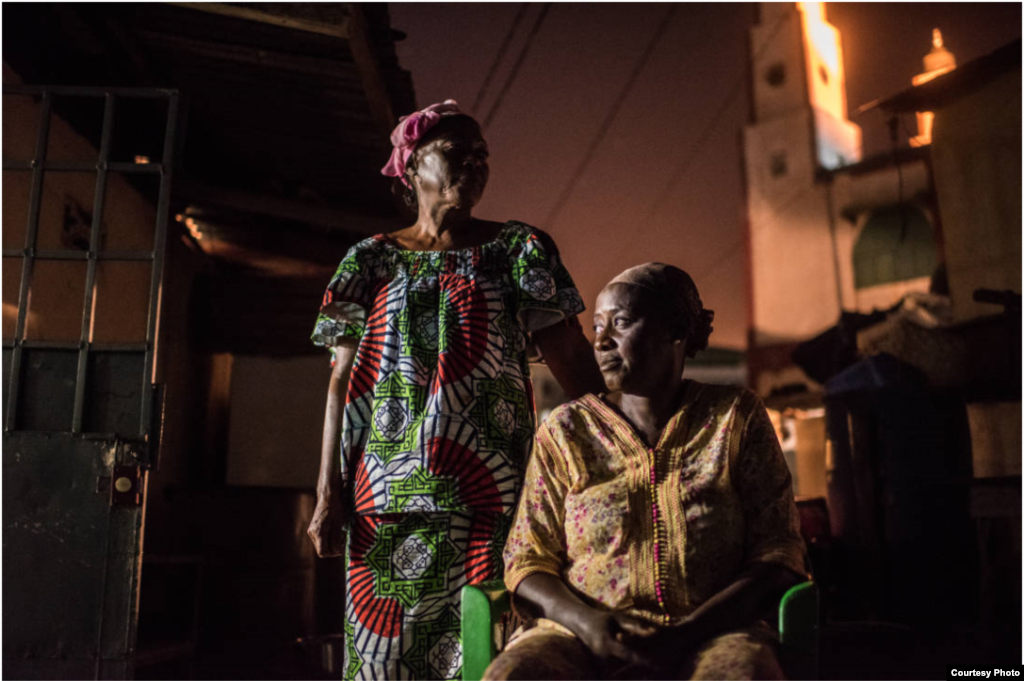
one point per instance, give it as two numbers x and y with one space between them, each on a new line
545 595
570 357
344 358
327 529
604 632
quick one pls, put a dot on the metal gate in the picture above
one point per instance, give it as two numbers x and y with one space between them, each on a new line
82 286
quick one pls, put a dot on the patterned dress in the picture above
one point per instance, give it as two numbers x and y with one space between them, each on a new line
438 422
655 532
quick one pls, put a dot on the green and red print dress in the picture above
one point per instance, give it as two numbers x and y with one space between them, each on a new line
439 419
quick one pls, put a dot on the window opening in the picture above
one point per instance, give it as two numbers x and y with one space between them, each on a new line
779 164
896 244
776 74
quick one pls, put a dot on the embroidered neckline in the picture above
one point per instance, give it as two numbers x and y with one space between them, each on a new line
599 404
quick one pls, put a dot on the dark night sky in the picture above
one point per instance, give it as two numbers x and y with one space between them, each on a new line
664 183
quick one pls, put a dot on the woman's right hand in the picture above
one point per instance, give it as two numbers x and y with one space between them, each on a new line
610 636
327 529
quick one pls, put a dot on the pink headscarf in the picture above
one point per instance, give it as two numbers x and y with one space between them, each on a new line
409 131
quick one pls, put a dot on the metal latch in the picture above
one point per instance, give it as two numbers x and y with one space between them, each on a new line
125 486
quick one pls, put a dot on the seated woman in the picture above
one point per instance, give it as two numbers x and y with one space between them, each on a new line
657 525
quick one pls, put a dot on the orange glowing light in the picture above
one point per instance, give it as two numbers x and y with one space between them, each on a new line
10 312
837 139
821 35
193 229
10 318
937 62
813 10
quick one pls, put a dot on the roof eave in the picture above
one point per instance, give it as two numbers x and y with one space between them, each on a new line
950 86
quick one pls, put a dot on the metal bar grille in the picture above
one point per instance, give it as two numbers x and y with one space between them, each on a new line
74 345
125 167
94 247
79 255
38 166
31 231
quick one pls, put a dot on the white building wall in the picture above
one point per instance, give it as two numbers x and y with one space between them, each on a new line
776 42
793 273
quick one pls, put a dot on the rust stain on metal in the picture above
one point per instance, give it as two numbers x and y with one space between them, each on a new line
109 455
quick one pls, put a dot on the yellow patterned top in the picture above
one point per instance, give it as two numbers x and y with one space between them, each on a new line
721 499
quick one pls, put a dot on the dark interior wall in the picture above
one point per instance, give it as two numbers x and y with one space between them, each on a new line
276 422
229 577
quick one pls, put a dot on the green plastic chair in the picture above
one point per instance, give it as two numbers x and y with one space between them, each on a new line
483 604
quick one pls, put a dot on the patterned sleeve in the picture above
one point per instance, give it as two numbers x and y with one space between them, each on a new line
546 292
349 296
766 494
536 542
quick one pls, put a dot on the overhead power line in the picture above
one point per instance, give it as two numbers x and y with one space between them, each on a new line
779 213
613 112
511 78
683 167
500 55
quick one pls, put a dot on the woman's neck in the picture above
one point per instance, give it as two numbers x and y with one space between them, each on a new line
649 414
453 232
441 223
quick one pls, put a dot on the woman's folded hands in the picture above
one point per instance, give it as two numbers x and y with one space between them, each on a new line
617 639
622 640
611 636
668 646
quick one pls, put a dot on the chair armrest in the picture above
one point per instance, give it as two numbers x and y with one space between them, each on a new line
798 630
482 605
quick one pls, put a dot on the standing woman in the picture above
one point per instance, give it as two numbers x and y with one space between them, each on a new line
430 399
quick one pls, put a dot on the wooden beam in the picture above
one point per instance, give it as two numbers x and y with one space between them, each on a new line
258 56
353 28
278 263
138 55
296 23
336 220
369 69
